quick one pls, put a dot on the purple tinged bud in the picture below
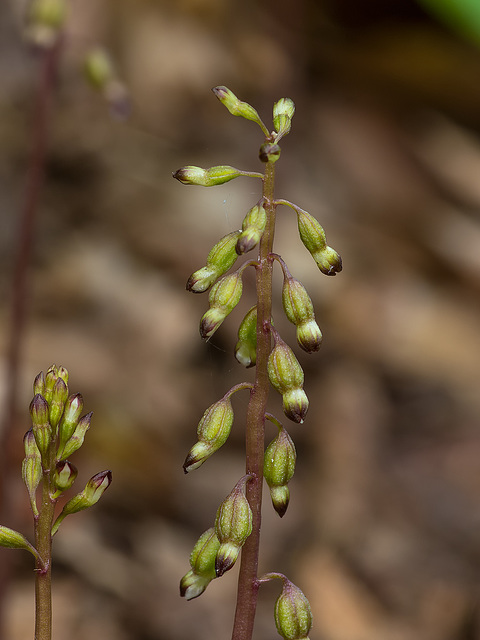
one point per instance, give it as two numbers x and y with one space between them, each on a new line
50 380
298 308
236 106
313 237
295 405
70 418
286 376
309 336
211 177
253 227
41 428
39 384
233 525
293 615
76 441
278 469
328 261
223 298
269 152
202 561
65 475
222 256
213 431
246 347
57 402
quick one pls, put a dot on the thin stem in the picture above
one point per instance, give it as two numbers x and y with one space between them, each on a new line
247 581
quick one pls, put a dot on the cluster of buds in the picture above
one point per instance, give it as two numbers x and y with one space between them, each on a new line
218 548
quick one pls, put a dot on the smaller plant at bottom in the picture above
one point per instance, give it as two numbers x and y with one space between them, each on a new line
58 430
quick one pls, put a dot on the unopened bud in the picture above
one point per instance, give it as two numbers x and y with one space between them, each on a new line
253 227
65 475
219 260
206 177
45 19
50 381
236 106
94 489
223 298
57 403
293 615
41 428
269 152
313 237
70 418
13 539
283 112
246 347
31 468
212 431
39 384
98 68
286 376
298 308
233 525
76 441
202 561
278 468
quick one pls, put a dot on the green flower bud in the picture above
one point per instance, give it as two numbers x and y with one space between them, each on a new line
94 489
202 561
278 468
76 441
286 376
269 152
206 177
313 237
219 260
223 298
253 227
98 69
298 308
45 19
39 384
41 428
57 403
293 616
31 468
50 381
233 525
283 112
70 418
14 540
246 347
236 106
64 476
213 431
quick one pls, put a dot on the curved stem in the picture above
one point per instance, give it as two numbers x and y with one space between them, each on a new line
247 581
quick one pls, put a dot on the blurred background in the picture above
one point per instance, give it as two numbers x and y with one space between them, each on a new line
383 529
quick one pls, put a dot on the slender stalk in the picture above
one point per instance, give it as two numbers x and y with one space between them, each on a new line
43 568
248 582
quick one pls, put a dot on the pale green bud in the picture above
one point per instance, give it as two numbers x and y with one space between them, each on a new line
298 308
31 468
202 561
309 336
39 384
41 428
57 403
50 381
206 177
14 540
213 431
246 347
283 112
219 260
223 298
70 418
286 376
76 441
98 69
236 106
253 226
64 476
269 152
233 525
313 237
278 468
293 615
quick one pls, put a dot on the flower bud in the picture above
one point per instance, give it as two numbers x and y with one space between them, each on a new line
13 539
286 376
283 112
50 380
269 152
278 468
219 260
98 69
39 384
64 476
313 237
253 227
31 468
298 308
246 347
70 418
236 106
41 428
45 19
76 441
57 403
213 431
293 616
206 177
94 489
233 525
202 561
223 298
